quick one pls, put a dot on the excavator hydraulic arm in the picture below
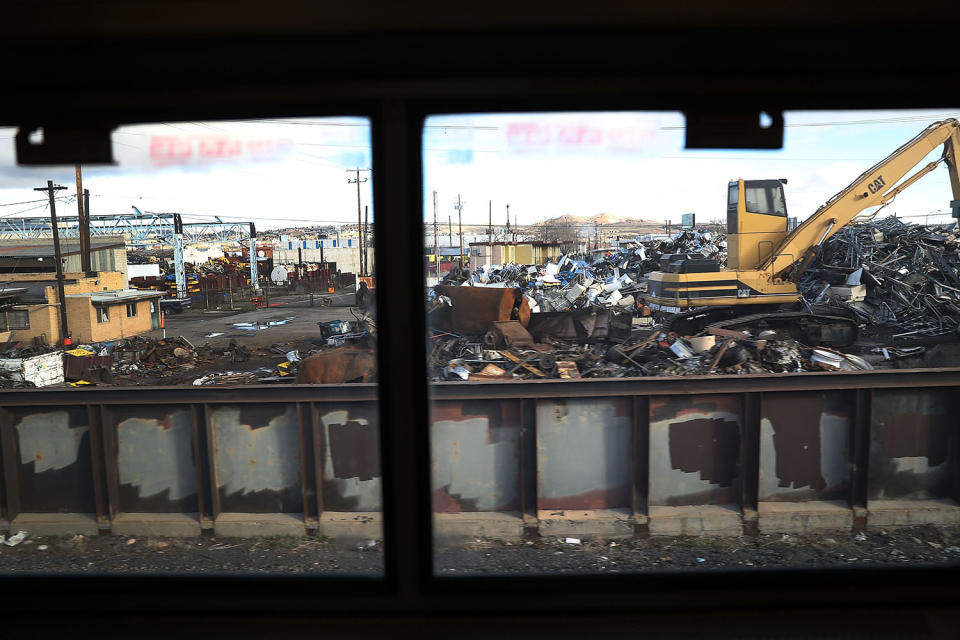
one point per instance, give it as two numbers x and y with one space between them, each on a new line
876 187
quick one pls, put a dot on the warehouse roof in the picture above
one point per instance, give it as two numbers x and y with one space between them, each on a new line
116 297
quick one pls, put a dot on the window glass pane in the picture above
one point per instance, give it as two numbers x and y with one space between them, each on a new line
18 319
560 283
255 300
758 200
777 204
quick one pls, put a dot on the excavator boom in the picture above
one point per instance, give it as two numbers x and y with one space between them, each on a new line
764 262
875 187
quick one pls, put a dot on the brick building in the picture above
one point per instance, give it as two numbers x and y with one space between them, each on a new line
98 308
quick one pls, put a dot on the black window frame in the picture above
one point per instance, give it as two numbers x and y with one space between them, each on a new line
103 314
589 74
770 187
8 326
133 306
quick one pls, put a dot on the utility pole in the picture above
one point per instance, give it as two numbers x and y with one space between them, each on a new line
490 235
506 235
459 208
357 181
179 272
450 230
254 274
436 244
85 245
366 244
61 297
81 217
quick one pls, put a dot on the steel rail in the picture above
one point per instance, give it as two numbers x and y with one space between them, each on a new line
481 390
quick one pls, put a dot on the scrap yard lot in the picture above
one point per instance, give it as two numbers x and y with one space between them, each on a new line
842 290
605 394
879 295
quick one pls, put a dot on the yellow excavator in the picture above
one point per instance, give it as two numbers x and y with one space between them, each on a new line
764 262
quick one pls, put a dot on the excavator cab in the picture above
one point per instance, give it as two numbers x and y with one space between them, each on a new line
756 221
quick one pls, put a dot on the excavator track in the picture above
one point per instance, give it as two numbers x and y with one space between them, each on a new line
809 328
806 327
691 323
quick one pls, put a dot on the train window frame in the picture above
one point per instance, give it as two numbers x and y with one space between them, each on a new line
409 584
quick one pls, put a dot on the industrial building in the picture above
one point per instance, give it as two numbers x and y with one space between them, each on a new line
98 308
107 254
519 252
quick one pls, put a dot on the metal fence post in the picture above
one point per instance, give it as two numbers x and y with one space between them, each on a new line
860 457
750 462
528 469
640 467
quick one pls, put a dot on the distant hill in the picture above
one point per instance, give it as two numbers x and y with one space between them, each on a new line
599 218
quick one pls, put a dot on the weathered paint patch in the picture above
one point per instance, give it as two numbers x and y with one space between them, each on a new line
915 435
475 456
258 465
55 473
49 440
351 463
155 456
694 450
708 446
583 453
912 441
803 446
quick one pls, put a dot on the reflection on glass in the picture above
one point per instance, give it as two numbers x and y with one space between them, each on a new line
566 248
233 260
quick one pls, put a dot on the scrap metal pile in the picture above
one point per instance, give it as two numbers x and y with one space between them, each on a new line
12 363
901 280
585 317
142 360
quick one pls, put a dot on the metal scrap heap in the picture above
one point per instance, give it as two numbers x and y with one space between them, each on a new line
901 280
584 315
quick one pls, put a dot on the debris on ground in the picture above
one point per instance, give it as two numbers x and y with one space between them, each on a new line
584 316
14 539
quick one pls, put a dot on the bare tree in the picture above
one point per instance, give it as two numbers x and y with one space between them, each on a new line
557 233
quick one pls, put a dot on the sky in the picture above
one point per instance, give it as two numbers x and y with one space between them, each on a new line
293 172
634 164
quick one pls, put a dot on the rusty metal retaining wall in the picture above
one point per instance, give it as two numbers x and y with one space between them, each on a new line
718 455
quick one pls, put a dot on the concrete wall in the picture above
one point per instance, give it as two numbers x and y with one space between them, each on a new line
488 479
82 320
913 438
49 455
45 318
290 460
583 453
156 467
44 322
695 450
805 446
102 260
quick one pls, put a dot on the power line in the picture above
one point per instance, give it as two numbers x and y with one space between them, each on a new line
10 204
